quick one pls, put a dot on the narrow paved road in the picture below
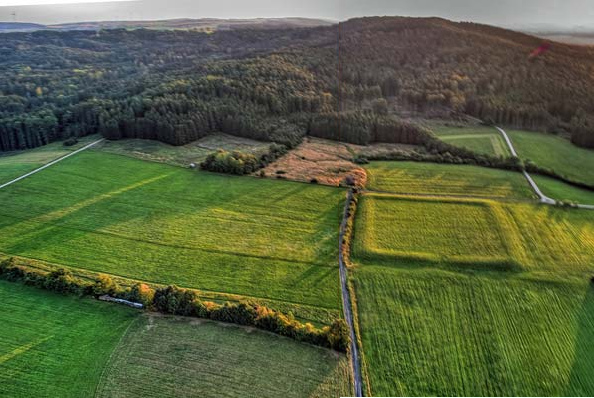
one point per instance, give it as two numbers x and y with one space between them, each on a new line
346 301
45 166
542 197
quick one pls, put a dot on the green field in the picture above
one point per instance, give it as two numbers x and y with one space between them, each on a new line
147 221
55 346
480 139
178 357
561 191
445 179
474 298
15 164
437 333
474 233
556 153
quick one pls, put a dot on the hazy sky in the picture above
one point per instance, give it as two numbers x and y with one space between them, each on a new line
562 13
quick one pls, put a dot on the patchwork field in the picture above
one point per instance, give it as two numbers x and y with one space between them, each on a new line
474 233
178 357
107 213
556 153
436 179
436 333
15 164
480 139
55 346
474 298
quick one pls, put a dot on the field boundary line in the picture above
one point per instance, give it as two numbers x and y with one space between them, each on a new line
542 197
346 300
45 166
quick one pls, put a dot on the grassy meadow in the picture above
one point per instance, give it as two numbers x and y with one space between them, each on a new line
474 297
561 191
435 179
480 139
556 153
55 346
439 333
15 164
474 233
193 358
107 213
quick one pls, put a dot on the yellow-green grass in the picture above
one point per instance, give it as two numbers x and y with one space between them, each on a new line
559 190
194 152
480 139
261 238
444 179
55 346
15 164
555 153
427 332
162 356
473 233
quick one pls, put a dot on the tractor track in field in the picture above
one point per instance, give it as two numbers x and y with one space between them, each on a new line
542 197
45 166
346 301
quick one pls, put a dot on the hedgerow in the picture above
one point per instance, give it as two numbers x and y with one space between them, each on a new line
177 301
240 163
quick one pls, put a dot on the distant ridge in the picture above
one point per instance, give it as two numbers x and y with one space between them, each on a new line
171 24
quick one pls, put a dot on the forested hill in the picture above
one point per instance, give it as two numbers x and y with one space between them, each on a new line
281 84
484 71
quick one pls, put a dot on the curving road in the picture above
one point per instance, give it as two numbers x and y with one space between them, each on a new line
346 302
541 196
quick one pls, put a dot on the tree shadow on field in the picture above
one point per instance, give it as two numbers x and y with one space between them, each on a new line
581 379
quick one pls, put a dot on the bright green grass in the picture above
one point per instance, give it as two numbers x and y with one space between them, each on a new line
141 220
435 179
55 346
555 153
561 191
534 237
435 333
176 357
480 139
15 164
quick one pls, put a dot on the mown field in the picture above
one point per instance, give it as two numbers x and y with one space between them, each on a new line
556 153
55 346
474 233
438 333
561 191
107 213
435 179
480 139
15 164
474 298
163 356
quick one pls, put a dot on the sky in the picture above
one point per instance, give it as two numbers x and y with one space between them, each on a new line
520 13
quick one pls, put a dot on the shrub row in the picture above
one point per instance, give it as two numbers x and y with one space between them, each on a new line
240 163
176 301
347 228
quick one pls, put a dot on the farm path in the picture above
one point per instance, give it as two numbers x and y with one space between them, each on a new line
346 301
542 197
45 166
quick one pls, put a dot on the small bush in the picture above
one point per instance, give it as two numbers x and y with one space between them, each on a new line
105 285
71 141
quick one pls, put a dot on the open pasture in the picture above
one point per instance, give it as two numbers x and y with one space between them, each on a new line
106 213
15 164
55 346
444 179
437 333
556 153
480 139
399 230
164 356
560 190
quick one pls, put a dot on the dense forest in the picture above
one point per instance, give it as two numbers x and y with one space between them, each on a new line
353 82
